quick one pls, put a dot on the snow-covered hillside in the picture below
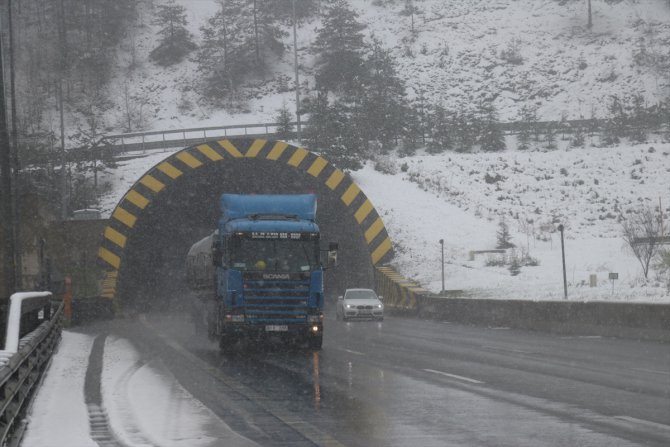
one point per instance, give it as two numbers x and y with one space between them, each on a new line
455 56
520 52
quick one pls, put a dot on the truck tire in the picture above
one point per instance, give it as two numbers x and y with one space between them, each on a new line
315 341
227 344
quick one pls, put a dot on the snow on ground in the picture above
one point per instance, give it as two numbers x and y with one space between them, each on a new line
145 404
447 197
59 416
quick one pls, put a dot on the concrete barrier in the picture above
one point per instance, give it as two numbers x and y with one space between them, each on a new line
641 321
628 320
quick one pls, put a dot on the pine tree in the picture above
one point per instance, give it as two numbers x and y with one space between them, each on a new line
638 119
491 137
267 34
515 266
528 117
465 129
503 236
441 126
550 137
383 106
332 132
284 123
176 42
411 132
225 54
339 47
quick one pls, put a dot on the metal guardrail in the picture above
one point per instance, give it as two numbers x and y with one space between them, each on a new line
658 240
164 139
33 332
161 139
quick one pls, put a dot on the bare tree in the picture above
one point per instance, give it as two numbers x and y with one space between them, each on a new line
642 232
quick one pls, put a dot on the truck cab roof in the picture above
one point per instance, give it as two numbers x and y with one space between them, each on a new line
274 207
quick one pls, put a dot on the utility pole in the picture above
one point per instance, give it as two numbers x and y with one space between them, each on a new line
297 81
15 152
63 185
9 268
565 281
442 246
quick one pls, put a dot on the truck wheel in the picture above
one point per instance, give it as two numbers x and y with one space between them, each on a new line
227 344
315 342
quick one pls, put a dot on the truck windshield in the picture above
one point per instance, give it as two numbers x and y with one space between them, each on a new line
274 255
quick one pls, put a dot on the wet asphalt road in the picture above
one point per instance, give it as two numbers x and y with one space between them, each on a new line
407 382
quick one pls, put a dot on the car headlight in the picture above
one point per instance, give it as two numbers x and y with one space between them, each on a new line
379 306
349 306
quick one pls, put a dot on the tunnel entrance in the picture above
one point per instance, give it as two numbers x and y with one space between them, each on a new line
176 203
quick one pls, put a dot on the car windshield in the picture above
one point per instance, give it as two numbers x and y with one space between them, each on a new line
274 255
360 295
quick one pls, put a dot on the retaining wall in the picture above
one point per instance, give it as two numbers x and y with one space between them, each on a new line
640 321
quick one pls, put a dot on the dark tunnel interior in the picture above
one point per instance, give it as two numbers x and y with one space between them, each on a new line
152 275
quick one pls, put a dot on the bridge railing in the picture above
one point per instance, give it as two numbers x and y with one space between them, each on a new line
163 139
33 332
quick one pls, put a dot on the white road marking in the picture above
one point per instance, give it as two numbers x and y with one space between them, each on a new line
352 352
453 376
494 348
653 371
648 424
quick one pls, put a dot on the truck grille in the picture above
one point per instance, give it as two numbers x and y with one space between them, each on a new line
282 301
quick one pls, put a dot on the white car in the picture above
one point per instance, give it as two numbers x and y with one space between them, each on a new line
360 304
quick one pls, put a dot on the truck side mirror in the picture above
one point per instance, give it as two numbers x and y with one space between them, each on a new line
332 254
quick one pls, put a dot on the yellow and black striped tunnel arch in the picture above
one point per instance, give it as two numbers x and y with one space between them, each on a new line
175 203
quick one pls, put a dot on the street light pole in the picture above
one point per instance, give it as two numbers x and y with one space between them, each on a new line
565 281
442 248
297 81
15 152
9 248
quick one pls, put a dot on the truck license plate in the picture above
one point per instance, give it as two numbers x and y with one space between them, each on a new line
276 328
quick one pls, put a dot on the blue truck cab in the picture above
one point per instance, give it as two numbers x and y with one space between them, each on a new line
267 270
